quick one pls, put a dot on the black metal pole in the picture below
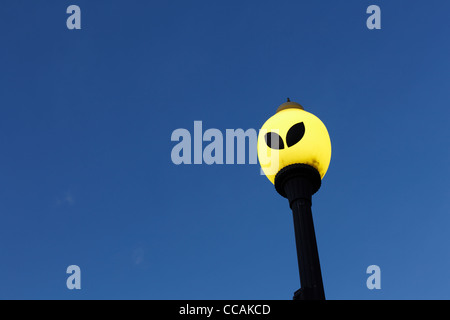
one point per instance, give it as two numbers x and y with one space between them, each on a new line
298 183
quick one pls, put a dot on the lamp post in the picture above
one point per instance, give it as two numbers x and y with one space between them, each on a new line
294 150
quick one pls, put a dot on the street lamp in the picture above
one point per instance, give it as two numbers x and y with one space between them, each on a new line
294 150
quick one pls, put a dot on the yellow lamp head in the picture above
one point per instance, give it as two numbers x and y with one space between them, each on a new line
293 136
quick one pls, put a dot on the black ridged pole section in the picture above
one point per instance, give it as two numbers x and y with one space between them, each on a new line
297 183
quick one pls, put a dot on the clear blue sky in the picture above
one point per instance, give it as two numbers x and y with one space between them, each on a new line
86 176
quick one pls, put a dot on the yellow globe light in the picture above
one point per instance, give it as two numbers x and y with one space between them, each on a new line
294 150
293 136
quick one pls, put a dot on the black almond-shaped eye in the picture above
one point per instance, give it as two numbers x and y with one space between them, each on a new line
274 141
295 134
